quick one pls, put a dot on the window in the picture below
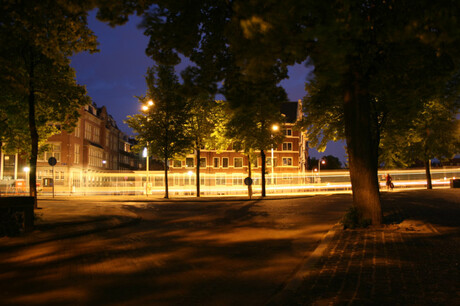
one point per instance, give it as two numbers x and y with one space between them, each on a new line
220 179
237 180
287 146
77 129
288 132
269 161
287 161
88 131
107 138
177 163
95 156
202 162
224 162
55 150
238 162
76 154
96 134
255 163
189 162
216 162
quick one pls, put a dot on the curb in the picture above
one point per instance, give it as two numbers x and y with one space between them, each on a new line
292 285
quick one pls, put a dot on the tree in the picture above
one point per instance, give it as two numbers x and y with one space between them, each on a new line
433 134
256 109
203 117
372 58
163 128
37 39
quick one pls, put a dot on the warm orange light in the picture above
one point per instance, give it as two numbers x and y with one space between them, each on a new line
323 162
149 102
145 108
275 127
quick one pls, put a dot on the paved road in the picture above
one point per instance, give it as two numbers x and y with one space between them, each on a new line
181 253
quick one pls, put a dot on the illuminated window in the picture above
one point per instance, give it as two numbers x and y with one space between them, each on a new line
189 162
77 129
238 162
88 131
76 155
287 161
287 146
220 179
237 180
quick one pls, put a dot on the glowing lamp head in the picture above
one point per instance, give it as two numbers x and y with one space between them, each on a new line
145 108
275 127
150 103
190 173
26 169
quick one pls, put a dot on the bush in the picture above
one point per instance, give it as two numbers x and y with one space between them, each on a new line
353 219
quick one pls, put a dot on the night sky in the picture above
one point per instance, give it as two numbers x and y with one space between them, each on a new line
115 75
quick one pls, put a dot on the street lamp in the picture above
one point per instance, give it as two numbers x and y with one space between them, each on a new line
27 170
320 162
275 127
145 153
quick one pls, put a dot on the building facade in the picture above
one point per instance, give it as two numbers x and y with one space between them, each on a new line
96 145
230 168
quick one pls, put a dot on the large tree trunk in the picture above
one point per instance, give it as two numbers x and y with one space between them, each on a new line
33 135
362 150
198 156
429 185
166 179
262 156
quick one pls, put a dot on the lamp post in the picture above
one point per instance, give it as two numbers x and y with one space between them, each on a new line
320 161
145 153
275 128
27 171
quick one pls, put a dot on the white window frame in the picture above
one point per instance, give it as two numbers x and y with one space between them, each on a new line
287 164
234 162
214 162
286 146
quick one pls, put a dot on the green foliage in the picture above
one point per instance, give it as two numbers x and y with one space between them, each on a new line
164 126
434 133
353 219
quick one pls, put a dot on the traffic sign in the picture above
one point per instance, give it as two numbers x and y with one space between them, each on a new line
248 181
52 161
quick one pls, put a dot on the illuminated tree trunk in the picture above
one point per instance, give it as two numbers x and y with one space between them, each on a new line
262 156
249 175
362 148
166 179
429 185
198 157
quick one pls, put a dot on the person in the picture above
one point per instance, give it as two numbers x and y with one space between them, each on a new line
388 182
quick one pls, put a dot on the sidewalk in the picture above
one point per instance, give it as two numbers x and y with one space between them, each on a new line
60 219
413 260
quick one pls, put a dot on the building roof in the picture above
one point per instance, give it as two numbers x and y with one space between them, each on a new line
289 109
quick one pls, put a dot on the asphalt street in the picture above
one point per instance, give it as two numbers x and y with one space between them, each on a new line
234 252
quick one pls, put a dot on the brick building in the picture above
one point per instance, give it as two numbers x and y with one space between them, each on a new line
230 168
96 145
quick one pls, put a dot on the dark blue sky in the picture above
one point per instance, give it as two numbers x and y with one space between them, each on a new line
115 75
